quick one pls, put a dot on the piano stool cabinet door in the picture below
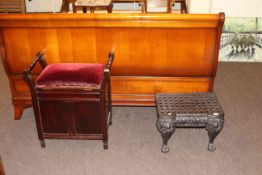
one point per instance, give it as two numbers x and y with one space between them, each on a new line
73 119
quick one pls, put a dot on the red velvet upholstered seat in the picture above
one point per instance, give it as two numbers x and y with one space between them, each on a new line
71 75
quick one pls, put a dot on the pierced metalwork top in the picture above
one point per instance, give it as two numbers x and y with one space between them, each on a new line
199 103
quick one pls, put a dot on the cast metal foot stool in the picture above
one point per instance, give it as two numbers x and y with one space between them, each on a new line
189 110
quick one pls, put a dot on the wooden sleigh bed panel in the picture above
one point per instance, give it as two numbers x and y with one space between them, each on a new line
153 52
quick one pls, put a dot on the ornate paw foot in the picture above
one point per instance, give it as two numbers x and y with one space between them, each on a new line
166 126
214 126
165 149
211 147
42 142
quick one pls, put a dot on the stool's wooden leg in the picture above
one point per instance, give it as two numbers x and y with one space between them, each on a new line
166 126
109 101
42 142
110 117
92 10
74 8
183 7
104 115
84 9
109 8
105 145
213 127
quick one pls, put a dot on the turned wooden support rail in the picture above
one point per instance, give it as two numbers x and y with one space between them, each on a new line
110 60
65 7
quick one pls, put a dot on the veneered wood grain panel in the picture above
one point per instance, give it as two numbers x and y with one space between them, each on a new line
65 45
18 54
52 45
84 45
152 85
50 110
87 117
20 85
158 52
38 43
116 39
191 53
154 52
144 47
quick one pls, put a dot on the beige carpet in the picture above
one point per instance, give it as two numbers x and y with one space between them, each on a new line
134 142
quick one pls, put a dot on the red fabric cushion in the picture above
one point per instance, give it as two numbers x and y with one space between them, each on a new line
71 75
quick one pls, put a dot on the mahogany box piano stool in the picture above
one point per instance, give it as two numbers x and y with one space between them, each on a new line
71 100
189 110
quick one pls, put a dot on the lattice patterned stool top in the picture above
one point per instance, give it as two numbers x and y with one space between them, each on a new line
171 105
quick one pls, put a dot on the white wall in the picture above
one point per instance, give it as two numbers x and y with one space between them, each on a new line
198 6
237 8
232 8
43 5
